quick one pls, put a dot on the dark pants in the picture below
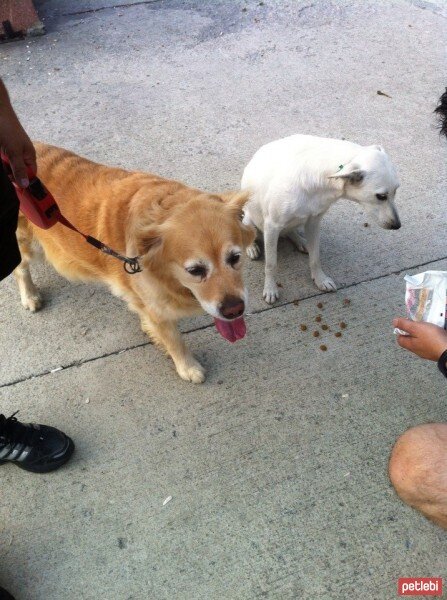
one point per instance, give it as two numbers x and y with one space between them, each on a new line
9 212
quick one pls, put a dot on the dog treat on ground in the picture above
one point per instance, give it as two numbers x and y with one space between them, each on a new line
338 334
323 347
324 327
318 318
346 302
303 327
342 325
365 224
316 333
279 284
320 305
296 302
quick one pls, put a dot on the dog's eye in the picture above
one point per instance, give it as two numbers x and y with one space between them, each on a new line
197 271
382 196
234 258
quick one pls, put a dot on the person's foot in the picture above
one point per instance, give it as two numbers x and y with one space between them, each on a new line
35 448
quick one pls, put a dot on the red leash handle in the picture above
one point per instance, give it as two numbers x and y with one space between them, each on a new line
39 206
36 202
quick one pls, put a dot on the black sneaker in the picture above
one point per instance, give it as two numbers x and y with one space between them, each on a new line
4 595
36 448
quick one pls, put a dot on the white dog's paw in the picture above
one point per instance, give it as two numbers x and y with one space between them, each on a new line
301 246
299 241
325 283
192 372
253 251
32 302
270 293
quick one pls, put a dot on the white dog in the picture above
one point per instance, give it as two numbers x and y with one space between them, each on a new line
294 181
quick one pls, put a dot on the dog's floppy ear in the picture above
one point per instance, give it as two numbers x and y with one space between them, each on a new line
350 172
148 240
236 201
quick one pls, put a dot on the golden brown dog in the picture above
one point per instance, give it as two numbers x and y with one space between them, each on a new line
191 246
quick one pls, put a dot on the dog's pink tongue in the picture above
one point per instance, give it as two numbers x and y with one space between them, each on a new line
231 330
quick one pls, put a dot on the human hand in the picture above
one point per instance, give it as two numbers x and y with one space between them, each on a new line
424 339
15 143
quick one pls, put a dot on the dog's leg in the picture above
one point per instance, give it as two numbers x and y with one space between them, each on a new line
253 251
166 335
312 231
271 236
29 294
298 240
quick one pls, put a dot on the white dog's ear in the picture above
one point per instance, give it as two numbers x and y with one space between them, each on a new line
351 171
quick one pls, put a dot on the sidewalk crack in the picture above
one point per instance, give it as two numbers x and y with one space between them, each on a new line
317 294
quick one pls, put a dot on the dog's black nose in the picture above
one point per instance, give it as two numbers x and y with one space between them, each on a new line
232 307
395 225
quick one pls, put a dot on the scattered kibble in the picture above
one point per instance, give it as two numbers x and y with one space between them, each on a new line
316 333
346 302
296 302
303 327
279 285
338 334
318 318
320 305
324 327
323 347
343 325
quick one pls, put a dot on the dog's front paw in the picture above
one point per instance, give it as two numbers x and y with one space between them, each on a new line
32 302
298 241
270 293
325 283
253 251
301 246
192 371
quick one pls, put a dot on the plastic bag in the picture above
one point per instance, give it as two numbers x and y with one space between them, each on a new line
426 297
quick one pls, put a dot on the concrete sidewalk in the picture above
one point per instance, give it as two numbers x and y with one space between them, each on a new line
277 464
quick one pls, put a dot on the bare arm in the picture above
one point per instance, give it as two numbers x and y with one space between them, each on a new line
14 141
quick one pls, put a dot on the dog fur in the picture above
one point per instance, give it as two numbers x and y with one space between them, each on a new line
171 226
295 180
